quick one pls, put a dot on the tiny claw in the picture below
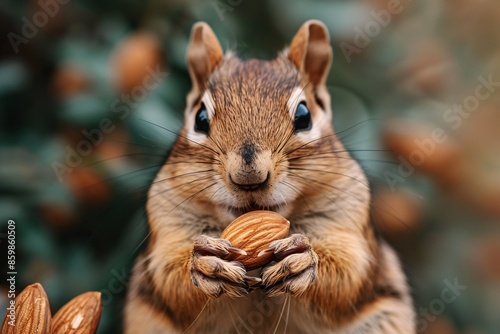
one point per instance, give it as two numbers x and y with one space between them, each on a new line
237 251
265 251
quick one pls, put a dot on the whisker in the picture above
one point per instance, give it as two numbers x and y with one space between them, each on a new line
280 316
137 144
197 317
183 175
334 201
333 154
181 136
358 124
181 185
147 186
287 313
199 192
289 185
330 172
346 158
124 156
174 208
390 210
233 320
306 180
308 143
119 178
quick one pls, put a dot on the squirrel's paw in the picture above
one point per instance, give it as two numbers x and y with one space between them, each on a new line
214 275
295 269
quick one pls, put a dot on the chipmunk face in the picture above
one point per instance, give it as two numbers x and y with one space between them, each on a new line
254 123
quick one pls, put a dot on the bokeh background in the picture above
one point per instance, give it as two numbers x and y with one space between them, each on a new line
92 94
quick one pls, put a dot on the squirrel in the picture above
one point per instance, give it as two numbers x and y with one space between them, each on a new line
258 135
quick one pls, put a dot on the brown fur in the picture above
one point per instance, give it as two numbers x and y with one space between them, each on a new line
359 286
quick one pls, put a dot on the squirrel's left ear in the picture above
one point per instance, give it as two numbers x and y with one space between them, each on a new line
310 51
204 53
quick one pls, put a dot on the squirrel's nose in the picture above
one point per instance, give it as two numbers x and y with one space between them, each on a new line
249 181
248 153
249 167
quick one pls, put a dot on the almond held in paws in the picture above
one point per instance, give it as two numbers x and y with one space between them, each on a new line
253 232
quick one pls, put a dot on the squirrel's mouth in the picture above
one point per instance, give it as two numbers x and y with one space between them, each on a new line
238 211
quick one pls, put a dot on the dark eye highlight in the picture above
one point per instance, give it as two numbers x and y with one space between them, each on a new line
302 120
201 123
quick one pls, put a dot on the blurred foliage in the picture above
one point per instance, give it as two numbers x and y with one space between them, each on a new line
80 228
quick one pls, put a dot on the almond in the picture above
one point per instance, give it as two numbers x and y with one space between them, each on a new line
80 315
253 232
32 313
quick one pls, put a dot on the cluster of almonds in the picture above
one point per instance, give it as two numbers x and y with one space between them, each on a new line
80 315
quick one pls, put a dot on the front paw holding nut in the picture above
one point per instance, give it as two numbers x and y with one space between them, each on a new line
214 275
296 267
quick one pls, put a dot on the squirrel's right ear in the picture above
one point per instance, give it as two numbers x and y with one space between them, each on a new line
204 53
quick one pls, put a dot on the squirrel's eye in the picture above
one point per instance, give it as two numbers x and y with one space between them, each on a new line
302 120
201 122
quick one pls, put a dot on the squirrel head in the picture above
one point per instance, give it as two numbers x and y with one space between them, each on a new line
257 121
